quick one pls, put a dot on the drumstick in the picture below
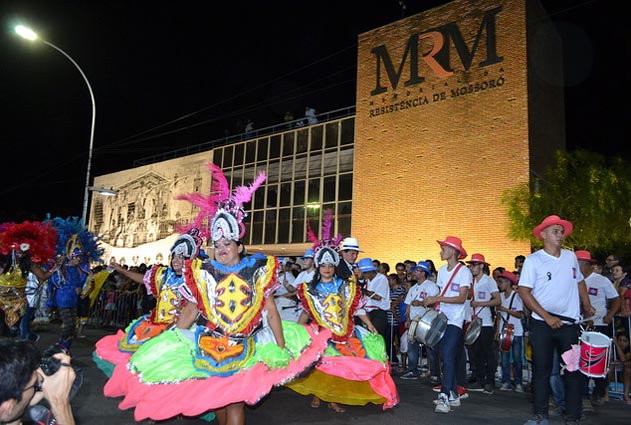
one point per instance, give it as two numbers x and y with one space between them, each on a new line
591 319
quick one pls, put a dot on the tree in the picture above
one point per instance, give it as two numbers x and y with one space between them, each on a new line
585 188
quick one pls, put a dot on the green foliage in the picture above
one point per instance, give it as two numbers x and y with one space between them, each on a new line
584 188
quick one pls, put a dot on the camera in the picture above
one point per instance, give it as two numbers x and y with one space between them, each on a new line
50 365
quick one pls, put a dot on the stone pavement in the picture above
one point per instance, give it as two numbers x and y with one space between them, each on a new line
283 406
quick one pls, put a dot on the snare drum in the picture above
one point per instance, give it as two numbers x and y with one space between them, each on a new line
506 338
471 330
594 360
429 328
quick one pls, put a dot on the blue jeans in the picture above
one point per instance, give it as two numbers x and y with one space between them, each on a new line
414 353
515 350
433 360
451 347
544 341
25 324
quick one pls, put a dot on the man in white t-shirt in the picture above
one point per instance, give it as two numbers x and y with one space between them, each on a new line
601 292
510 313
377 291
286 295
415 309
308 268
551 286
454 280
484 295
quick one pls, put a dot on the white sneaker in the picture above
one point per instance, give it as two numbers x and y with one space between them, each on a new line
519 388
453 402
442 405
506 387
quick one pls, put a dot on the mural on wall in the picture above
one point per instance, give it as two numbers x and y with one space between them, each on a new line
137 223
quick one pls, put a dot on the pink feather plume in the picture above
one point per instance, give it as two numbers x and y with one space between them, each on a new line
243 194
327 224
219 193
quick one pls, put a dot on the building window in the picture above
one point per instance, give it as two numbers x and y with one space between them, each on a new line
308 170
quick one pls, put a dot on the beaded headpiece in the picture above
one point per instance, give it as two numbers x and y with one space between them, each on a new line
75 240
34 238
188 244
325 249
221 213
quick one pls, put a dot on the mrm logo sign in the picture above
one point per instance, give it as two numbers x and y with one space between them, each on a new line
438 60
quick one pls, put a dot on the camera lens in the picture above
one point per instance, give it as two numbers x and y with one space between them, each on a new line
50 365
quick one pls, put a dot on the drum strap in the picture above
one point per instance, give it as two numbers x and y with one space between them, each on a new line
510 305
449 284
475 313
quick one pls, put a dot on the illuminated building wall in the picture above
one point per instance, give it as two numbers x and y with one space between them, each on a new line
445 122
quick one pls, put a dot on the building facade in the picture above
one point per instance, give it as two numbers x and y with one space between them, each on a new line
454 107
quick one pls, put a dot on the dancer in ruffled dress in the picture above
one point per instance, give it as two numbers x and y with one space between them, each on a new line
355 368
241 351
164 283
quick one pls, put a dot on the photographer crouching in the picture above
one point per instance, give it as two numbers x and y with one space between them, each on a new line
23 384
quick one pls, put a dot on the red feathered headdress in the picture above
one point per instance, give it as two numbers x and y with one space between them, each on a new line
34 238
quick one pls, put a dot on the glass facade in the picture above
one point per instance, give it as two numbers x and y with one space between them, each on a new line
309 170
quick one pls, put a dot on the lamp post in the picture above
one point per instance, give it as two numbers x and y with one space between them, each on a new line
29 34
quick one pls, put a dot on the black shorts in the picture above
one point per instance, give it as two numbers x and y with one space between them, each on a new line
83 307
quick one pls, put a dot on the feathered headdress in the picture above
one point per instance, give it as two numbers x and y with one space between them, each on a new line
325 249
188 244
221 213
74 239
34 238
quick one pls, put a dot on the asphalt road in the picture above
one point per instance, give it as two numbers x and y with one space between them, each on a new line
284 406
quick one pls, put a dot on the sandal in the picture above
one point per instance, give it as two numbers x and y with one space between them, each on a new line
336 408
315 402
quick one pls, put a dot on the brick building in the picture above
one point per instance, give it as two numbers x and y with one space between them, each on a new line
454 106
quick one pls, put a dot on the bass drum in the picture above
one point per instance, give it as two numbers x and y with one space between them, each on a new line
471 330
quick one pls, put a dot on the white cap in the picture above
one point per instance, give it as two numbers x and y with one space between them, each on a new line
350 243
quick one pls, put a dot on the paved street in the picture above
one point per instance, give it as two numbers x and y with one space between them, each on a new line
283 406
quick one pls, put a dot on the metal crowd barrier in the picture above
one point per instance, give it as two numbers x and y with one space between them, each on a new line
616 385
115 309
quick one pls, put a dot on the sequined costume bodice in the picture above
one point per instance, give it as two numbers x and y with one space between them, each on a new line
332 305
12 295
164 284
232 298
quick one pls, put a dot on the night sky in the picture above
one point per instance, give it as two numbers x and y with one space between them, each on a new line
169 74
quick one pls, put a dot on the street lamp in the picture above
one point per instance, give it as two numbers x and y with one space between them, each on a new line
29 34
102 191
